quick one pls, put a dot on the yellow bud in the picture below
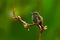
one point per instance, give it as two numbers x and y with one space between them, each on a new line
45 27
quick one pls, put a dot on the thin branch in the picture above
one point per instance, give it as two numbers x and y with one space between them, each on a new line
41 31
27 25
40 36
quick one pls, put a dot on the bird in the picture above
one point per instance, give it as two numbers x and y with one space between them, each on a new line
38 20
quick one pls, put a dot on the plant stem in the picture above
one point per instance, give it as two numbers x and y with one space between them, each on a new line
40 36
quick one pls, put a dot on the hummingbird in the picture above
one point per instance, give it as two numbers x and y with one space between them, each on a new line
38 20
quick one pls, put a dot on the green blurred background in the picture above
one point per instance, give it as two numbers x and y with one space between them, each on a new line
13 30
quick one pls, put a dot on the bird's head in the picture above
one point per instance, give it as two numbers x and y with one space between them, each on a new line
35 13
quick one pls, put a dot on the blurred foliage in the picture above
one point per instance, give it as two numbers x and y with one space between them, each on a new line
13 30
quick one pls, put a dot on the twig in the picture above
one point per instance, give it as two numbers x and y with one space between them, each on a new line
40 36
27 25
41 31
